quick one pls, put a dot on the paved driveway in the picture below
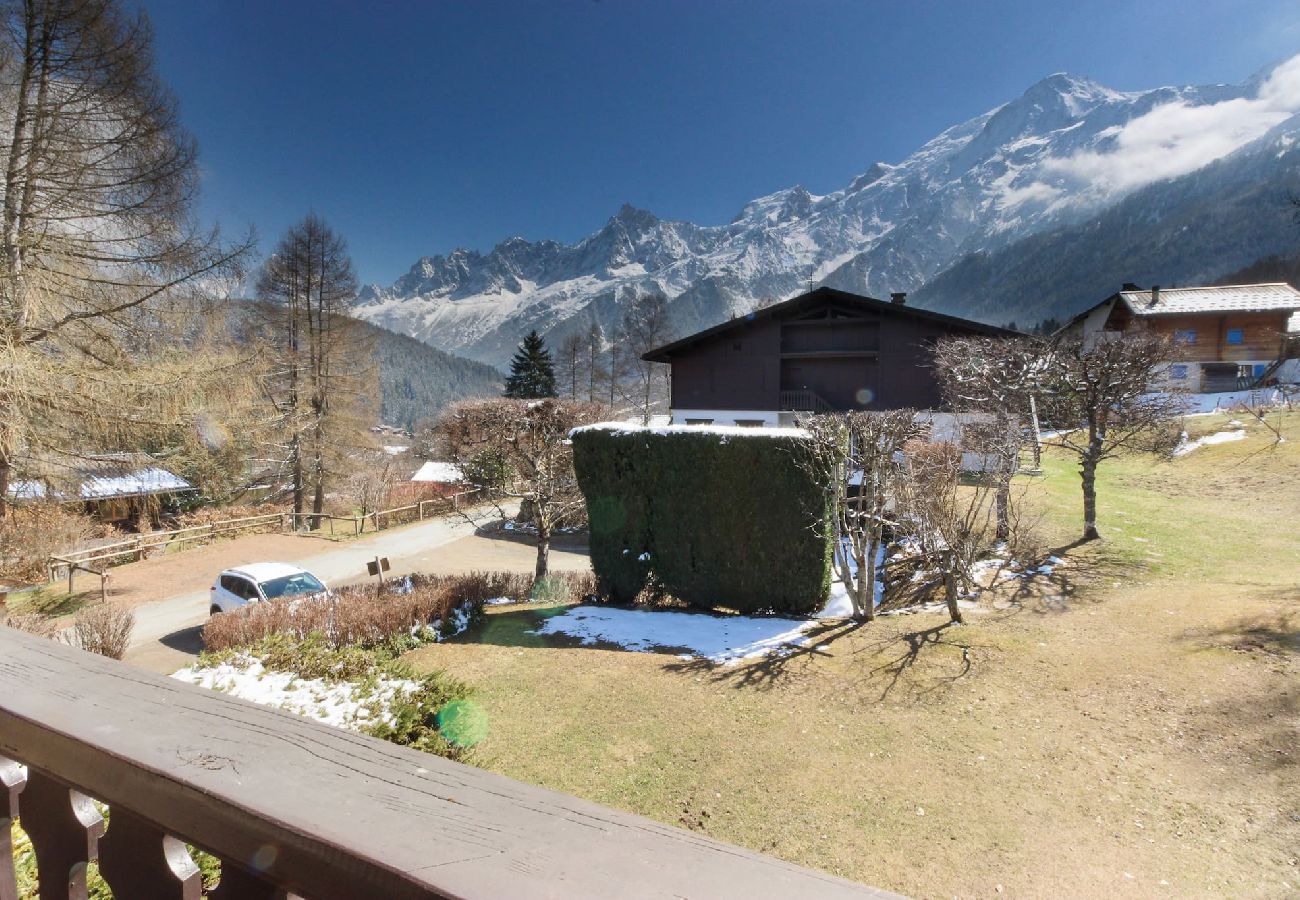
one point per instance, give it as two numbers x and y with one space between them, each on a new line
166 635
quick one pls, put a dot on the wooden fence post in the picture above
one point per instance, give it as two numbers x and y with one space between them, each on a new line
71 571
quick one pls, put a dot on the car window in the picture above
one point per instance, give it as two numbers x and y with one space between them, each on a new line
290 585
227 583
244 588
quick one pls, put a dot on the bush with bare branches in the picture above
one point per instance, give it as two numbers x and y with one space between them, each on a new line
32 623
35 532
361 616
103 628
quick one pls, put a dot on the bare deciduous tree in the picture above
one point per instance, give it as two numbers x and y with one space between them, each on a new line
595 344
97 233
863 453
1100 395
321 384
645 326
572 355
532 437
997 376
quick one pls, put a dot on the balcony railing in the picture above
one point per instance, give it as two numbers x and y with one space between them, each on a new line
804 401
294 807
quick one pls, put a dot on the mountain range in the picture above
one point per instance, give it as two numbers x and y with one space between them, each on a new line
1031 210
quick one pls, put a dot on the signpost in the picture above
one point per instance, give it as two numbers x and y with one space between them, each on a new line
377 567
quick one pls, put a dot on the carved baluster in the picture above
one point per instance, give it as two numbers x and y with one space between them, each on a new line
240 884
65 828
138 860
13 778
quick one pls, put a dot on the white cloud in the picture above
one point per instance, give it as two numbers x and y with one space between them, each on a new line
1177 137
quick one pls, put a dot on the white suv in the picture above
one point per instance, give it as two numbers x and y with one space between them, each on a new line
261 581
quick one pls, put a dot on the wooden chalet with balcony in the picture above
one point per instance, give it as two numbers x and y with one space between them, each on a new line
823 351
1227 338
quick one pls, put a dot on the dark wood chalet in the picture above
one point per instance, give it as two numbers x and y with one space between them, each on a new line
822 351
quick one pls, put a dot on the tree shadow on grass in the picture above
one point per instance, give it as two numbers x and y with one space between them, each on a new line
903 651
517 627
773 668
1069 582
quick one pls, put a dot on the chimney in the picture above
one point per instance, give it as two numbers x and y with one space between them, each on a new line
899 297
1155 296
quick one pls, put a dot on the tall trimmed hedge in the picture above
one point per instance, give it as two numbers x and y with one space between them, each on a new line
713 518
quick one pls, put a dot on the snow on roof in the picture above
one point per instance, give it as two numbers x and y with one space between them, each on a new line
441 472
265 571
395 449
153 480
1226 298
98 477
721 430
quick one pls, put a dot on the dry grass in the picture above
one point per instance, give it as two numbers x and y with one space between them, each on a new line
361 616
1125 727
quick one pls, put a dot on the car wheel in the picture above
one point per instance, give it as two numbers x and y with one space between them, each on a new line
214 610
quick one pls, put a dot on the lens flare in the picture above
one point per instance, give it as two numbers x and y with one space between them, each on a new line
463 723
864 396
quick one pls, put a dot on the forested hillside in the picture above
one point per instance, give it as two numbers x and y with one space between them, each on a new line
415 380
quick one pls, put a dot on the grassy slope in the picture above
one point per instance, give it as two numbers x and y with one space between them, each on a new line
1129 721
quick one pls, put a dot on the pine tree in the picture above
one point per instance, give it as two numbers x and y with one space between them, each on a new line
532 373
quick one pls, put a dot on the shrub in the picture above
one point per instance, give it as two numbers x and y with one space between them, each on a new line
716 519
104 629
32 623
437 717
35 532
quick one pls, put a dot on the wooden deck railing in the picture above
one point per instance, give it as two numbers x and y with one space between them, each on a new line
292 806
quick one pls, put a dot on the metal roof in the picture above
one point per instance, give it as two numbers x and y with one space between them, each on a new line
1226 298
101 476
811 298
265 571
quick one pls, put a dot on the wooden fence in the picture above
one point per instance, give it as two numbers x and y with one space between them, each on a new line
97 559
290 805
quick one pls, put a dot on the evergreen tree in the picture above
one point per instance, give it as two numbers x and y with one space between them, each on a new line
532 373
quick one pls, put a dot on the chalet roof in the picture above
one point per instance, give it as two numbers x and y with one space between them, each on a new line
812 299
1276 296
439 473
99 476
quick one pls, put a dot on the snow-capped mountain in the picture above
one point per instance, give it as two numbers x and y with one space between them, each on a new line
1065 151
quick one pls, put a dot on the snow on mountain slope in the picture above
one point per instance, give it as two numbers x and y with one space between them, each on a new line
1060 153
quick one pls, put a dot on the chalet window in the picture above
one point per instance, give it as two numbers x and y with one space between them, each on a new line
699 421
1185 336
1178 372
1235 336
750 423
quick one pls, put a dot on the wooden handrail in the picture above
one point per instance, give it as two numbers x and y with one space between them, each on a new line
291 804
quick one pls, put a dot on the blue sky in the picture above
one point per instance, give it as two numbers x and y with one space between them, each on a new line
415 128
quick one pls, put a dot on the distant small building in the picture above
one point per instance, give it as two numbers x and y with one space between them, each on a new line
113 487
433 472
823 351
1226 338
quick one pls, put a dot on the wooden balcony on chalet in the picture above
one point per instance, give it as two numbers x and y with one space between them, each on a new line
293 807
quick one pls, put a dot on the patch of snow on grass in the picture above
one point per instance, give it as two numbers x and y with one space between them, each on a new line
721 639
339 703
1219 437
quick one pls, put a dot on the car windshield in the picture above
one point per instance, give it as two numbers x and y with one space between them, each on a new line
289 585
